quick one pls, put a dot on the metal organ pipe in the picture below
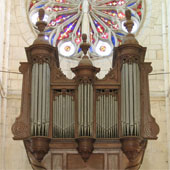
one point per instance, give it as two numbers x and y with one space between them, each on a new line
85 109
33 99
35 113
40 84
106 114
40 94
130 99
43 98
63 115
47 97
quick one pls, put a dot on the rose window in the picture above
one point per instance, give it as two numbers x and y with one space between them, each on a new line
102 21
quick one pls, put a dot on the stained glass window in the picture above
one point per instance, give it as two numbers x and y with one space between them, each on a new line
102 21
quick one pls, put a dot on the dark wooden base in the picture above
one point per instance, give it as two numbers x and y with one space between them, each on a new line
85 153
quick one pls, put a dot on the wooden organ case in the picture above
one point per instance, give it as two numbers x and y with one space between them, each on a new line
85 122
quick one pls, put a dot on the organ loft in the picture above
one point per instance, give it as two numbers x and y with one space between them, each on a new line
85 122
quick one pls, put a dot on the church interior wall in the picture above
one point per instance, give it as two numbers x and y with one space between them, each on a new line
21 35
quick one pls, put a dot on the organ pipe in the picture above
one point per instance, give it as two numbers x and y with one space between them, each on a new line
106 115
85 109
40 94
63 116
130 99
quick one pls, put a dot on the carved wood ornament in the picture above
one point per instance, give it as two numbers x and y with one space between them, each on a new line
102 120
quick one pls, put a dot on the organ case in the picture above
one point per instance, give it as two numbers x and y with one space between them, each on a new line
85 122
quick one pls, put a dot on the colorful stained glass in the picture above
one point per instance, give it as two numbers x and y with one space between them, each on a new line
139 10
120 41
105 28
121 2
40 6
116 2
68 29
99 27
115 26
113 40
121 15
120 34
92 40
105 35
59 8
48 8
131 4
110 23
106 21
78 37
112 3
33 2
112 13
61 1
59 20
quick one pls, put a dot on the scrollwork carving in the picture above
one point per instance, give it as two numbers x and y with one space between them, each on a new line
20 130
85 147
58 74
111 75
39 147
130 59
133 148
63 92
151 128
84 80
23 67
106 92
40 59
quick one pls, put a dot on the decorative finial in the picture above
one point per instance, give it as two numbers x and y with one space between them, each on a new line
41 27
41 14
41 24
85 46
129 38
129 23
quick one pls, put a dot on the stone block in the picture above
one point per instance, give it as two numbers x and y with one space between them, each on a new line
14 41
152 54
16 84
156 40
159 54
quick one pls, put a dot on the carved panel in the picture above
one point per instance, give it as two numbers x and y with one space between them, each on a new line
95 162
112 162
57 162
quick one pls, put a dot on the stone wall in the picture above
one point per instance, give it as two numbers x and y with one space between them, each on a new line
151 36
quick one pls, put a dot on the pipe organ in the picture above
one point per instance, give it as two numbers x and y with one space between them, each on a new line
85 122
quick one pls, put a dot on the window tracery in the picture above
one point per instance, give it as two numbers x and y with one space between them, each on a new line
102 21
